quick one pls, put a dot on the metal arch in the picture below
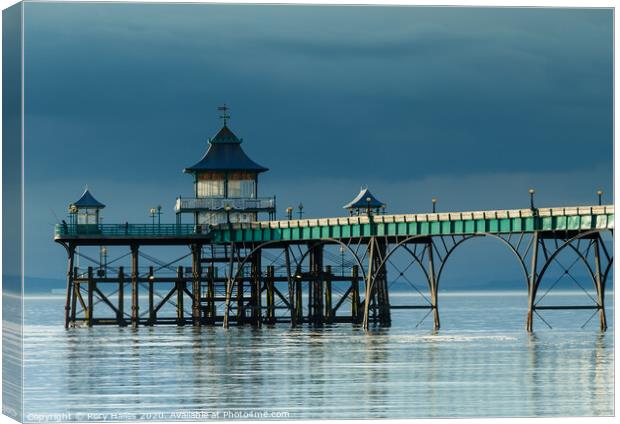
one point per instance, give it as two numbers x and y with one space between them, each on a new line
585 261
607 269
495 236
325 241
418 261
557 251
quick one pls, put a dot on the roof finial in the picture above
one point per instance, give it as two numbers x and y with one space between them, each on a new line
224 115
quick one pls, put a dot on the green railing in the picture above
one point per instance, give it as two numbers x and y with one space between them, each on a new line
129 230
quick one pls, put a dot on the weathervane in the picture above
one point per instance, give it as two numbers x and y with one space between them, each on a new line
224 115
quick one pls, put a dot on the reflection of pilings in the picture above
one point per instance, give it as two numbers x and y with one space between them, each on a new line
134 286
70 258
600 283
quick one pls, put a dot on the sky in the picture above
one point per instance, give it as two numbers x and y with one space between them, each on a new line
472 106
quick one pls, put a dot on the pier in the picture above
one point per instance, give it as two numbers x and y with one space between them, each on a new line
239 269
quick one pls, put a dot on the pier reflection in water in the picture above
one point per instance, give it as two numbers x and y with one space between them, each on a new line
476 366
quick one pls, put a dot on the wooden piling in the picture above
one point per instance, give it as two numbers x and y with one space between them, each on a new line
257 290
151 293
135 317
196 276
91 289
329 312
432 283
180 286
533 284
355 295
269 283
120 315
76 291
70 258
599 284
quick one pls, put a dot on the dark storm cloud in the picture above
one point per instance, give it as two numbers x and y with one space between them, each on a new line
125 95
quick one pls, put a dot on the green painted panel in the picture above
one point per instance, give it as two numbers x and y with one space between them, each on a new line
276 234
238 235
325 233
560 223
435 227
380 229
226 235
601 221
266 234
493 225
412 228
306 233
459 226
517 224
547 223
425 228
504 225
257 235
366 230
336 231
610 221
481 226
529 224
346 231
402 228
446 227
296 233
286 233
391 229
573 223
586 222
470 226
355 230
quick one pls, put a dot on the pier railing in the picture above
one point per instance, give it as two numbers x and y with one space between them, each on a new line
257 204
129 230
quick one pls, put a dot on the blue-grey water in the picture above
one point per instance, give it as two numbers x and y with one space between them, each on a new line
481 363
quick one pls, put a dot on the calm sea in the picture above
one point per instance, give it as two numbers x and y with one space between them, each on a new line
481 363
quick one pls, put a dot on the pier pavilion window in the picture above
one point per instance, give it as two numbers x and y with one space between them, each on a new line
87 216
242 185
210 184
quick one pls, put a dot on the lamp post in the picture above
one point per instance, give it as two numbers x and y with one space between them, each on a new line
289 213
228 208
532 191
152 213
434 202
599 193
368 200
159 214
103 261
342 260
301 209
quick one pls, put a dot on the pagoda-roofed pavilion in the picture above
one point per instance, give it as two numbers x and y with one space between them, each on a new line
85 211
364 201
225 184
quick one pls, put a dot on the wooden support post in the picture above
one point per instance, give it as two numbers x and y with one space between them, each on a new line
196 277
299 306
257 286
600 284
210 295
71 255
291 287
329 312
91 289
229 284
432 285
270 295
532 286
383 298
355 295
135 317
316 285
240 301
120 315
76 292
180 289
152 317
369 283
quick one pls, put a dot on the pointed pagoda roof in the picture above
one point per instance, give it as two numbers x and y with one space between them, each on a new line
361 201
225 154
88 201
